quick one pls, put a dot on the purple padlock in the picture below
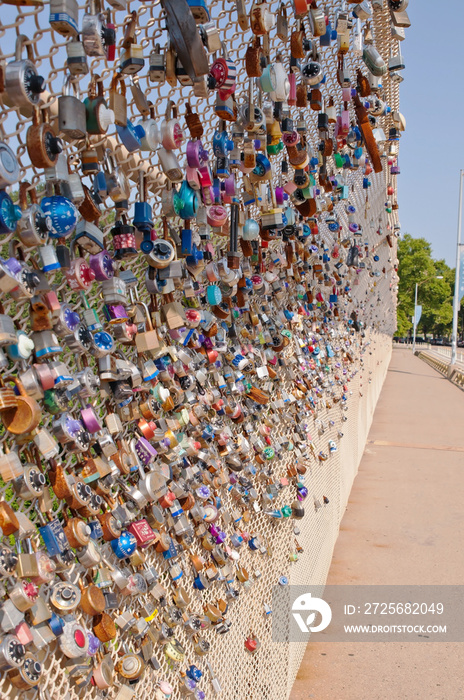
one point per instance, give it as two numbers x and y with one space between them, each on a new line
144 451
115 313
102 265
229 186
90 420
197 156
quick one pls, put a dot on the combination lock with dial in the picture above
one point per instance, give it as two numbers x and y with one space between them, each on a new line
8 561
67 322
12 653
81 340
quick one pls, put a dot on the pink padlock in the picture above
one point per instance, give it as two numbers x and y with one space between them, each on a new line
216 215
193 179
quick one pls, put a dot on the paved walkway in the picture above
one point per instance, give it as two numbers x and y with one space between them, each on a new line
403 525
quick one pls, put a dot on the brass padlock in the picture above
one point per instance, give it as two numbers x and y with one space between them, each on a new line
148 340
118 101
27 565
43 146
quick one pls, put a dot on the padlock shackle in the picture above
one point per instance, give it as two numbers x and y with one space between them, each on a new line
129 32
118 78
19 45
24 189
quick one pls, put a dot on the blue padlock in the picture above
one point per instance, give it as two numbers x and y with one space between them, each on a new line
63 214
54 538
222 144
125 545
131 136
10 213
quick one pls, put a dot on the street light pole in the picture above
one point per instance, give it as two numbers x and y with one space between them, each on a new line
415 322
456 299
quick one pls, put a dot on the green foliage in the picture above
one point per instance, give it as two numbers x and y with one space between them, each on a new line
416 265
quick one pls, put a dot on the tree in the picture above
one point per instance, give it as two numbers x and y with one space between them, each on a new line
416 265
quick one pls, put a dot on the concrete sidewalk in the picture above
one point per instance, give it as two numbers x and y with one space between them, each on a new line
403 525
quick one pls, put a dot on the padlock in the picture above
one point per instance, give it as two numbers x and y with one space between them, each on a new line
27 565
12 653
23 85
157 69
89 237
116 182
71 112
147 341
151 137
76 58
34 226
79 275
28 675
43 146
99 116
131 59
143 218
317 21
64 17
10 215
97 35
118 102
73 189
9 166
10 464
170 165
223 74
261 19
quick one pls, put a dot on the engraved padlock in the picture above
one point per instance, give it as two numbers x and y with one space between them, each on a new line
97 35
71 112
23 85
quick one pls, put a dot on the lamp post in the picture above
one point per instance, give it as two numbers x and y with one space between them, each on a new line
437 277
456 299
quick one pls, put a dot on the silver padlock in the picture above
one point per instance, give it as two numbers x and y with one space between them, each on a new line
210 36
116 182
59 171
95 34
64 17
9 166
89 237
34 226
73 189
77 58
157 67
71 112
23 85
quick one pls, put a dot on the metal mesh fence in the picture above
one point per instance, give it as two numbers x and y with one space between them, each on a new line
269 673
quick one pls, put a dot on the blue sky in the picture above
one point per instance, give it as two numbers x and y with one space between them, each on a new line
432 100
